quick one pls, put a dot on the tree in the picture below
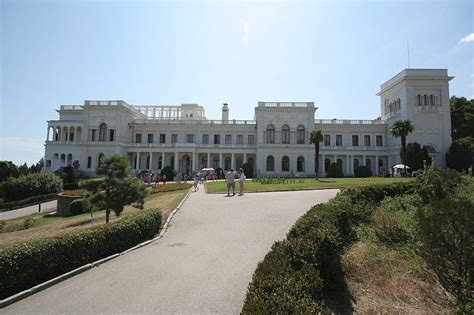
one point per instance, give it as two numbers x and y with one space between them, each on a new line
248 170
7 170
461 154
114 190
316 137
23 169
401 129
462 117
417 156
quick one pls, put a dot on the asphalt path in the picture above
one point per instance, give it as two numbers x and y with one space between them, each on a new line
18 213
202 265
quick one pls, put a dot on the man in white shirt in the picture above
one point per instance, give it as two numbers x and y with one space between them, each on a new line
230 180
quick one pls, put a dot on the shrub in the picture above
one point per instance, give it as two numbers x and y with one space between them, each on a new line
29 222
387 226
22 187
74 192
168 171
362 171
76 207
31 263
248 170
335 171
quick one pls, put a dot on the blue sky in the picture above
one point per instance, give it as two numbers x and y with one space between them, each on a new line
335 53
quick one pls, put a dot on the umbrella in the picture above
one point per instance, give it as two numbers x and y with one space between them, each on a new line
400 166
208 169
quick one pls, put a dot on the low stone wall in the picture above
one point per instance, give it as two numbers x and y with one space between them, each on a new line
63 204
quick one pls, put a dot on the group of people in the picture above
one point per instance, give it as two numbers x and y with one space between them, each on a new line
230 181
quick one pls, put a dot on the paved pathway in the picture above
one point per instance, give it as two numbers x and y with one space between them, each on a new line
202 265
18 213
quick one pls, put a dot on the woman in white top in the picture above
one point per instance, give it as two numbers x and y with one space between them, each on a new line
241 181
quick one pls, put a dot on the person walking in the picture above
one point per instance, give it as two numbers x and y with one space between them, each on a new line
195 184
230 180
241 182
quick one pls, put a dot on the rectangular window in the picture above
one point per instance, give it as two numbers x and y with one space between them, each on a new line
150 138
379 140
205 139
217 139
89 161
162 138
111 135
190 138
338 140
327 140
355 140
138 138
228 139
174 138
300 135
240 139
366 140
251 139
93 134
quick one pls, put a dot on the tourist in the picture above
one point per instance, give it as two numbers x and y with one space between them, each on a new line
230 180
164 179
195 184
241 181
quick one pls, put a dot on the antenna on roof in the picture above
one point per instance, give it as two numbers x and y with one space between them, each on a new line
408 54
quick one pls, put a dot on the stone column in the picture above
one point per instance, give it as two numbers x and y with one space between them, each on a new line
347 166
176 162
245 158
220 160
232 162
208 159
162 160
377 165
138 161
47 139
363 160
322 164
193 164
151 161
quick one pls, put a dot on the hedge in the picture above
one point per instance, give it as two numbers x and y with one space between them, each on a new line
299 272
30 185
26 265
12 205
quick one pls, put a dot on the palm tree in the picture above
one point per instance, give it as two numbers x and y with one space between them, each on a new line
401 128
316 137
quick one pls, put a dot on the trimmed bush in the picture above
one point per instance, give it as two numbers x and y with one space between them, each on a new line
26 202
26 265
168 171
76 207
335 171
248 170
362 171
14 189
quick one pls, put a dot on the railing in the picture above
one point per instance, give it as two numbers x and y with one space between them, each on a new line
71 107
178 121
285 104
191 145
348 122
428 108
353 148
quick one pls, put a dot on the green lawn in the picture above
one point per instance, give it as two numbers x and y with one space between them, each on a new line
303 184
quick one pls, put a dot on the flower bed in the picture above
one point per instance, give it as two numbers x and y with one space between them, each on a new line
74 192
170 187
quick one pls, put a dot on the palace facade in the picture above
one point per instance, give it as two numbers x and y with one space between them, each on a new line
275 143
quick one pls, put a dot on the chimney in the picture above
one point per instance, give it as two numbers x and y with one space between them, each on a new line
225 113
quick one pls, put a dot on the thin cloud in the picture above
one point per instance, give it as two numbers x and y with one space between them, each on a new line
467 39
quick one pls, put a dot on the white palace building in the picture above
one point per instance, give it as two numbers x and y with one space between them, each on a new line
276 142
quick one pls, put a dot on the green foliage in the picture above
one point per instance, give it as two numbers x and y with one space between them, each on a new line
29 222
26 202
362 171
269 180
335 171
114 190
316 137
462 117
76 207
401 129
168 171
8 169
417 156
14 189
461 154
248 170
29 264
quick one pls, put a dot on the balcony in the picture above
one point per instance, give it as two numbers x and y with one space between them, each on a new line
191 145
428 109
178 121
348 122
352 148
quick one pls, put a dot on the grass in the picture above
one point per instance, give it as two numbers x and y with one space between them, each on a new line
305 184
47 225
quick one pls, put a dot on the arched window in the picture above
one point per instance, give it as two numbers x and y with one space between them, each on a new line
339 163
418 98
356 164
72 133
368 164
327 162
99 159
57 134
270 134
270 164
285 134
103 132
398 104
63 158
69 159
425 99
432 100
300 164
285 164
300 134
65 134
380 163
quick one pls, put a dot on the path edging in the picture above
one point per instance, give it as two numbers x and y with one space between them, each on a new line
47 284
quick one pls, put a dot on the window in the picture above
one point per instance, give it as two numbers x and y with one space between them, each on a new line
111 135
162 138
432 100
356 164
251 139
238 163
285 134
418 99
338 140
103 132
327 140
150 138
285 164
217 139
300 135
378 140
270 164
48 163
89 161
240 139
367 140
425 99
339 164
355 140
270 134
228 139
138 138
300 164
93 133
327 163
174 138
205 139
189 138
100 159
368 163
227 163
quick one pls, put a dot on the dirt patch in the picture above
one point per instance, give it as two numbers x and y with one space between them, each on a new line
384 280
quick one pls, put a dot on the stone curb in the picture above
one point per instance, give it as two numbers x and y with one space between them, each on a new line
284 190
23 294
